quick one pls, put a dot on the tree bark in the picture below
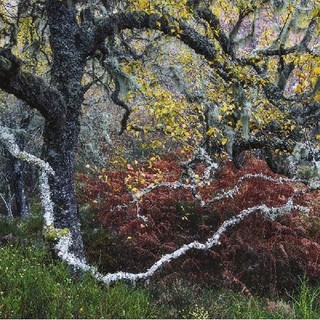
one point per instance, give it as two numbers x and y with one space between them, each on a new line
21 200
60 142
59 152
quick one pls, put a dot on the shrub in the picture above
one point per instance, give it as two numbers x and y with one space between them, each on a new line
258 256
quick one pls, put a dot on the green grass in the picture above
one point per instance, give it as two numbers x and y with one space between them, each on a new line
182 300
33 284
306 304
23 230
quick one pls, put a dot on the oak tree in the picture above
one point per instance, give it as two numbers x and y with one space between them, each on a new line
260 88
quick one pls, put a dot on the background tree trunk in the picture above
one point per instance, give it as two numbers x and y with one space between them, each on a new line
18 188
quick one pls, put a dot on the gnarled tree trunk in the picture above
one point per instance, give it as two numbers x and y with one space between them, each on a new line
60 140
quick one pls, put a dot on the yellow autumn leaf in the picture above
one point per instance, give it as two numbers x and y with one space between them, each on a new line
224 141
143 4
211 131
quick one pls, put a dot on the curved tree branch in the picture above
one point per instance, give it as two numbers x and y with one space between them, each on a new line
215 25
8 140
199 43
141 20
215 240
202 45
30 88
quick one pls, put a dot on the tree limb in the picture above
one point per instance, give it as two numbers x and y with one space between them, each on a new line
218 32
141 20
30 88
8 140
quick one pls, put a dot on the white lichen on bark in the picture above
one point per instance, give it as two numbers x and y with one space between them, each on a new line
272 212
47 204
8 140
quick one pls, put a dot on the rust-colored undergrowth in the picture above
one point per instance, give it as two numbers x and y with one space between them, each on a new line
259 255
